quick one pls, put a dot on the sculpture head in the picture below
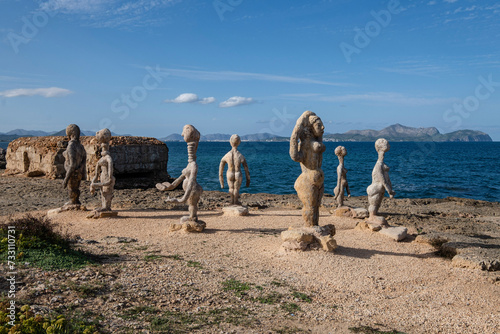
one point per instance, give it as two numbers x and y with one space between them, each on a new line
73 131
103 136
382 145
317 126
190 134
340 151
311 125
235 141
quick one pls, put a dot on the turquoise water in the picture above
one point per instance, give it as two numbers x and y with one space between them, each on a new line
418 170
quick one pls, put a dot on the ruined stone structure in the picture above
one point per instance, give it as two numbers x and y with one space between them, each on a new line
133 157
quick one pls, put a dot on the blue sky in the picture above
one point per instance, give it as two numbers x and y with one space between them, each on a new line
239 66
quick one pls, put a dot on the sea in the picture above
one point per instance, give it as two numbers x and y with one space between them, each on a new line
417 169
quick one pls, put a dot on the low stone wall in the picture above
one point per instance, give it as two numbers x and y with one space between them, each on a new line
133 157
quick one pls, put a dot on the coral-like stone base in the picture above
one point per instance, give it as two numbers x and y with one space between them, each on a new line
305 238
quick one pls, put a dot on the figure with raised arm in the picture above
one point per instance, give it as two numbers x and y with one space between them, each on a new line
103 179
75 166
306 147
380 184
342 184
192 190
234 160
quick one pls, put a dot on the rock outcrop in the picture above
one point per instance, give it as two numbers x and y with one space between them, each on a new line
135 158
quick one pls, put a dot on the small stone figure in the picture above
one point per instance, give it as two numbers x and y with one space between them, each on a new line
306 147
75 166
342 184
234 159
107 180
191 187
380 183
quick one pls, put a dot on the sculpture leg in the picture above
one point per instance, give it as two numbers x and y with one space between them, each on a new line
193 204
74 190
237 186
375 195
106 198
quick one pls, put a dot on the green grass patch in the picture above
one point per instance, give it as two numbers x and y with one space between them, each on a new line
302 296
86 290
138 311
290 307
239 288
152 257
288 330
176 257
272 298
26 322
179 322
38 243
194 264
371 330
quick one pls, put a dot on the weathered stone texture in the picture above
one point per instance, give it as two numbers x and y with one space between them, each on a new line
3 163
132 156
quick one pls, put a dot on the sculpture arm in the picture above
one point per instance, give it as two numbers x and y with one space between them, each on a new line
247 172
110 172
190 186
72 167
295 154
221 172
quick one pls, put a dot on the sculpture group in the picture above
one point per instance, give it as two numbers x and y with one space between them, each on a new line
306 148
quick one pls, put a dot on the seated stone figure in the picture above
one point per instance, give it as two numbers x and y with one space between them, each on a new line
191 187
75 166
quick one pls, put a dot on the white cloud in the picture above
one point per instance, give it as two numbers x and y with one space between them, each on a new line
111 13
430 3
450 1
45 92
240 76
236 101
191 98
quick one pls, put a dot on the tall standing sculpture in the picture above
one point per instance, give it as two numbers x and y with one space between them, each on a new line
306 147
75 166
191 187
234 159
104 173
380 184
342 184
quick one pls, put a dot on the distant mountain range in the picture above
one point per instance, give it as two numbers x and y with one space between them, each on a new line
395 133
398 132
17 133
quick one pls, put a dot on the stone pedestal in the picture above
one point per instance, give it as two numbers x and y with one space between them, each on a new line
187 225
346 211
235 210
66 207
304 238
102 214
396 233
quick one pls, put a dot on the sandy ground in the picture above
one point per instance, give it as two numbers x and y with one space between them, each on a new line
368 280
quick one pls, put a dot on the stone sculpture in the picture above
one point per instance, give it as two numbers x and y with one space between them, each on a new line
75 166
380 184
306 147
104 173
191 187
234 159
342 184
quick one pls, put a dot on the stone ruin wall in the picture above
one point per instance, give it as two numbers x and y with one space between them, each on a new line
133 157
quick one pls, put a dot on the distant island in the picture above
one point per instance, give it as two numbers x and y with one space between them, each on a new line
394 133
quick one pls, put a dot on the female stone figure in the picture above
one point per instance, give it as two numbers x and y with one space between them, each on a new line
234 159
74 164
191 187
306 147
342 184
380 183
104 172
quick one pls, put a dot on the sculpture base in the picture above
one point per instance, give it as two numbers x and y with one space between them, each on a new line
102 214
396 233
188 225
66 207
235 210
346 211
314 237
